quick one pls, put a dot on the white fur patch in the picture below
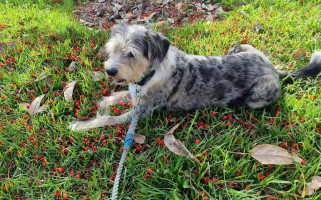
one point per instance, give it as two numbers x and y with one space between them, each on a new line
316 57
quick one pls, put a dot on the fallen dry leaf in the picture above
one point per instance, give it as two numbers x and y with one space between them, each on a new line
311 186
69 89
299 53
35 106
139 139
72 66
271 154
44 75
4 46
97 76
176 146
296 158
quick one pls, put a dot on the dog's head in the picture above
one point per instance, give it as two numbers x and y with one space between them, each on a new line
133 52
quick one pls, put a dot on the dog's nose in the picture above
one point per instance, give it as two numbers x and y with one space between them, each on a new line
111 71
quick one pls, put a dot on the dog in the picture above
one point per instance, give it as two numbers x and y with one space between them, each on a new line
169 78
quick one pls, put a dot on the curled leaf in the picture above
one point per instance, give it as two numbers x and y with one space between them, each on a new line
69 89
299 53
4 46
35 106
271 154
72 66
176 146
97 76
139 139
44 75
311 186
296 158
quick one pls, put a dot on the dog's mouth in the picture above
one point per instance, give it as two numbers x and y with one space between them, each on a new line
120 81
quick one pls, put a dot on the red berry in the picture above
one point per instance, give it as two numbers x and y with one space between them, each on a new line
284 144
150 170
65 195
197 141
78 175
138 148
57 193
261 177
303 162
61 169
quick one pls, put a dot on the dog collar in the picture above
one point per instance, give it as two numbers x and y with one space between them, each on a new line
146 78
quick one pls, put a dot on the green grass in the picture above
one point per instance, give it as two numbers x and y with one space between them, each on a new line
47 36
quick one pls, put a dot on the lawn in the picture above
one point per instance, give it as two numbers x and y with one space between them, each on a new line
41 159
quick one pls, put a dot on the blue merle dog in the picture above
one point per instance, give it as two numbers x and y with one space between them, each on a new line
169 78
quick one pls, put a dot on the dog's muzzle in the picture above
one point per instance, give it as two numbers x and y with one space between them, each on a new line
112 69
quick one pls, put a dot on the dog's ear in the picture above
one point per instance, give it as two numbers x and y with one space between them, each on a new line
157 47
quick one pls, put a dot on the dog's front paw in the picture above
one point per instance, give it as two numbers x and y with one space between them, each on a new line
99 121
104 103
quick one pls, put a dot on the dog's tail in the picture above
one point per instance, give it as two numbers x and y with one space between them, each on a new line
313 69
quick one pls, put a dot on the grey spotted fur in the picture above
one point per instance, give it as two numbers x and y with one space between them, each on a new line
188 82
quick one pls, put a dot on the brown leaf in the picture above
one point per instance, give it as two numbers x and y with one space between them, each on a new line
139 139
69 89
271 154
311 186
296 158
299 53
4 46
72 66
176 146
97 76
44 75
35 106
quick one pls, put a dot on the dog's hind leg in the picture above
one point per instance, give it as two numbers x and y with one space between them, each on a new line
247 48
264 92
115 98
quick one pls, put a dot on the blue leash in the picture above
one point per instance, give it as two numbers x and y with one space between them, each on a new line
128 141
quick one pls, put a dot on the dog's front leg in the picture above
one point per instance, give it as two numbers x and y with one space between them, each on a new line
115 98
100 121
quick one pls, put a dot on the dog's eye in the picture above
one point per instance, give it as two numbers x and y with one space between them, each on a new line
130 54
